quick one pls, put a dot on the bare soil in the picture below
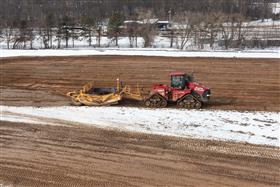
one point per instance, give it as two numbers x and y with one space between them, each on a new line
70 155
238 84
76 155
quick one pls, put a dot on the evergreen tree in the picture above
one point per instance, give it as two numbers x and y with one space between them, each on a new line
115 22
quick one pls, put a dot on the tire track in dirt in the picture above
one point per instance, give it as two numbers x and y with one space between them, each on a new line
43 155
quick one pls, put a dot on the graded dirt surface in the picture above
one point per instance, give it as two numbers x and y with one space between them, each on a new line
71 155
79 155
236 84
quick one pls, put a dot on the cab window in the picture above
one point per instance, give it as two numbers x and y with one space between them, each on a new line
178 82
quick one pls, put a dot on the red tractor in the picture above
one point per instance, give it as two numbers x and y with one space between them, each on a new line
182 91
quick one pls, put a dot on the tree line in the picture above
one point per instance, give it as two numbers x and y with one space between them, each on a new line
37 10
22 20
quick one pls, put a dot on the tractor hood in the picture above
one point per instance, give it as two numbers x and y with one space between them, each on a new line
202 92
198 87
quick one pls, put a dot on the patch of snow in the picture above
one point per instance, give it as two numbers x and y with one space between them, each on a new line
262 23
275 8
252 127
142 52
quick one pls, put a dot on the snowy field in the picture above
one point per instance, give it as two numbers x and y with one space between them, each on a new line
252 127
142 52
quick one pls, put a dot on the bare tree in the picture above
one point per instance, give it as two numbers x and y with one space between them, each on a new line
8 33
99 35
233 28
65 28
30 36
242 28
212 28
186 25
22 35
228 29
43 36
200 29
147 28
88 24
47 30
133 29
59 36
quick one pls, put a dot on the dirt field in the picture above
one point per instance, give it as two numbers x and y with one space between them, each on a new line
240 84
38 155
76 155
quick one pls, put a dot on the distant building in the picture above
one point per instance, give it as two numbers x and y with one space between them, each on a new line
161 25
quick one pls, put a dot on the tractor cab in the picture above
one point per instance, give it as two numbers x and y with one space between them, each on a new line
179 80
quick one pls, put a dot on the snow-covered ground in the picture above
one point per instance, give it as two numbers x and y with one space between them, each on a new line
252 127
142 52
265 22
